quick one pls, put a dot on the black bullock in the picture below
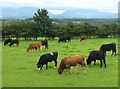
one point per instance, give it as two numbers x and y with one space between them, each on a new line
61 39
14 42
45 58
45 43
64 39
7 41
109 47
96 55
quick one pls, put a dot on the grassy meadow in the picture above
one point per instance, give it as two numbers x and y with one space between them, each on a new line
19 67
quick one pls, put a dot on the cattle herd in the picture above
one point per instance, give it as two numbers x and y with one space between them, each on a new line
69 61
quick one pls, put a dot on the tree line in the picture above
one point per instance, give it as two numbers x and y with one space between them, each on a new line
42 26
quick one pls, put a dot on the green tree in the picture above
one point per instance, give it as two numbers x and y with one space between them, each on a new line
43 22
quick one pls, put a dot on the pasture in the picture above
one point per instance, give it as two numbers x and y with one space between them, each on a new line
19 67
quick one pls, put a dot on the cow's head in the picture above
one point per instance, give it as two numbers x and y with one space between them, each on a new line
60 71
88 61
38 67
61 67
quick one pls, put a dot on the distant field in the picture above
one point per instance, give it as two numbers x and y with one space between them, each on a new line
19 67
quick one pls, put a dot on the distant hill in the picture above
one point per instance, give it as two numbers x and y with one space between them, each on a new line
27 12
88 13
23 12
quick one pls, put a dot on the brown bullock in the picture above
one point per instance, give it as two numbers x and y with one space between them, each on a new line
35 45
67 62
83 38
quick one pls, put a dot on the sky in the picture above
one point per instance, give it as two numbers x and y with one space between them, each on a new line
59 6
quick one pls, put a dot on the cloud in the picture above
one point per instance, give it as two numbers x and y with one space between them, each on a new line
56 11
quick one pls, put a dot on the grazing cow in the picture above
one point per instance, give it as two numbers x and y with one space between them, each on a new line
96 55
67 62
35 45
83 38
45 43
45 58
14 42
7 41
64 39
109 47
61 39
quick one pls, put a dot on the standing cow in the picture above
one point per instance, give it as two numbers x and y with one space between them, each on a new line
96 55
109 47
45 58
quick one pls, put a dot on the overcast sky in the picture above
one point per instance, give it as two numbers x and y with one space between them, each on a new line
101 5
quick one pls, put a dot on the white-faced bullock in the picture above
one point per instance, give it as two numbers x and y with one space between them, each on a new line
64 39
45 43
109 47
96 55
14 42
7 41
67 62
45 58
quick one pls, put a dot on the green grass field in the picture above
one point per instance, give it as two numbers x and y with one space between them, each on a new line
19 67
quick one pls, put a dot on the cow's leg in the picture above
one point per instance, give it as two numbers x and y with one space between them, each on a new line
45 47
55 64
115 52
66 71
94 62
35 48
70 71
17 43
41 47
65 41
46 66
41 67
112 52
100 63
105 53
67 67
38 47
104 62
79 66
84 69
